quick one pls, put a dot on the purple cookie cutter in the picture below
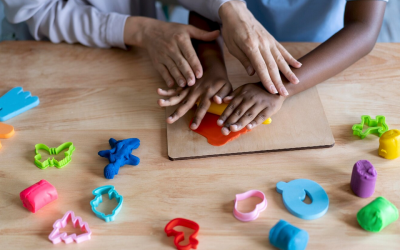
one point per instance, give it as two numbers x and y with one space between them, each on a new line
256 212
363 179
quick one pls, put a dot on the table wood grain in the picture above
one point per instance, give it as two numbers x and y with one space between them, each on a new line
89 95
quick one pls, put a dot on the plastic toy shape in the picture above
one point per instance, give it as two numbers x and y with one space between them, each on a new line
377 215
120 155
287 237
218 109
363 179
389 144
38 195
179 236
376 126
56 237
6 131
15 102
258 209
210 130
294 193
51 162
112 193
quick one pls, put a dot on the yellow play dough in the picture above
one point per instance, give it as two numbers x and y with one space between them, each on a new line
218 109
389 144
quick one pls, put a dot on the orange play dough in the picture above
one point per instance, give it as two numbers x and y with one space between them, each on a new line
6 131
210 130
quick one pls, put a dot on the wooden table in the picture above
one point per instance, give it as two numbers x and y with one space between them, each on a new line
89 95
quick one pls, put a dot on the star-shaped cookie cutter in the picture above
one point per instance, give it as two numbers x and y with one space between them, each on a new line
51 162
112 193
180 236
376 126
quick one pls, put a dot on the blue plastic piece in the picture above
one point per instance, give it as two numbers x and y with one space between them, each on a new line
15 102
112 193
288 237
294 193
120 155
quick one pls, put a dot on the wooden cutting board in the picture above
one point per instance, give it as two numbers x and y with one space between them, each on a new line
300 124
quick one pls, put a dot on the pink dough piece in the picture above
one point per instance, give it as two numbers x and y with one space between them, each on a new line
38 195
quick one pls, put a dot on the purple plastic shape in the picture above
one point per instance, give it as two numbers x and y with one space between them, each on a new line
363 179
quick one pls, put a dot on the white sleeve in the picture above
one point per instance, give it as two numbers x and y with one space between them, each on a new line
70 21
206 8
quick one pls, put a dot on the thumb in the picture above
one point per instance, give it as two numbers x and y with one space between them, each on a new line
203 35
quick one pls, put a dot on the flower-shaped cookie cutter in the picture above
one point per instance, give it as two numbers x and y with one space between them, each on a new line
51 162
257 210
56 237
376 126
179 236
112 193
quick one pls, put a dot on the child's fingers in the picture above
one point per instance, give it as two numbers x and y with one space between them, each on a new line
236 102
274 72
183 67
191 57
236 92
260 118
232 120
173 100
169 92
182 109
165 74
175 72
222 93
284 67
288 57
200 112
247 117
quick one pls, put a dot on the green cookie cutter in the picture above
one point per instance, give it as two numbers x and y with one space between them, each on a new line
51 162
376 126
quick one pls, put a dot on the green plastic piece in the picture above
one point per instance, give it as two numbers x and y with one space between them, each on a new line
377 215
51 162
376 126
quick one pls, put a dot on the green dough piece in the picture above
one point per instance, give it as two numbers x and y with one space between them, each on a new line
377 215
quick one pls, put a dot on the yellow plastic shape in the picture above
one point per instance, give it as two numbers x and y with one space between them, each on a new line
218 109
389 144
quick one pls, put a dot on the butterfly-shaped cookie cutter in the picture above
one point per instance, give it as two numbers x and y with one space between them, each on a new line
51 162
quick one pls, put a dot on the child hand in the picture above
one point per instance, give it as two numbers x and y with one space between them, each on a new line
249 105
214 84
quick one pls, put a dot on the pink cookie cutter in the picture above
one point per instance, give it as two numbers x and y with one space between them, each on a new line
56 237
256 212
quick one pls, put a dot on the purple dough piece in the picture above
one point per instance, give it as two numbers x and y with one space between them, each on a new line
363 179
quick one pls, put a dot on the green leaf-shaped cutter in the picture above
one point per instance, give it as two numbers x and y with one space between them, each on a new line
376 126
51 162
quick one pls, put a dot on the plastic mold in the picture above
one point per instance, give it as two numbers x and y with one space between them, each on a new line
56 237
15 102
179 236
54 151
376 126
258 209
112 193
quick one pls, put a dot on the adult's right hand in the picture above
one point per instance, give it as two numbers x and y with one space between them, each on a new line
256 49
169 46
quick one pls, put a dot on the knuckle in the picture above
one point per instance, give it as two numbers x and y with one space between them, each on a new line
271 65
238 112
280 59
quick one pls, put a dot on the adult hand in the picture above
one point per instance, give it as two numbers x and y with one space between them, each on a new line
256 49
169 47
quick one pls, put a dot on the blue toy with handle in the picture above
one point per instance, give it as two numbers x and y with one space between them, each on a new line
15 102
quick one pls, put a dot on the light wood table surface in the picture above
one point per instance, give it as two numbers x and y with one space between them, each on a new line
89 95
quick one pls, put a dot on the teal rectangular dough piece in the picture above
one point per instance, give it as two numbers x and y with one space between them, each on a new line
15 102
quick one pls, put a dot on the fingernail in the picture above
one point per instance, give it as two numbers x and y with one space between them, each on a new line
181 83
300 63
234 127
193 126
218 99
198 74
225 131
249 126
249 70
273 89
220 122
284 91
295 80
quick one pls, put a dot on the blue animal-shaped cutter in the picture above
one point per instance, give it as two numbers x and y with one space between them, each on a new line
294 193
112 193
288 237
15 102
120 155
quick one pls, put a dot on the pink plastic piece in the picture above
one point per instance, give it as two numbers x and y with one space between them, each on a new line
56 237
256 212
38 195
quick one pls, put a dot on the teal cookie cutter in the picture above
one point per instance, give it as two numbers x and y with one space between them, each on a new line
376 126
112 193
51 162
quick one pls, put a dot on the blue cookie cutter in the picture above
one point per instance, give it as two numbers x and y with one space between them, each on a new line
112 193
288 237
294 193
120 155
15 102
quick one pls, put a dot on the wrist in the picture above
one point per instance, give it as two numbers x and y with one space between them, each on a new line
134 30
229 7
